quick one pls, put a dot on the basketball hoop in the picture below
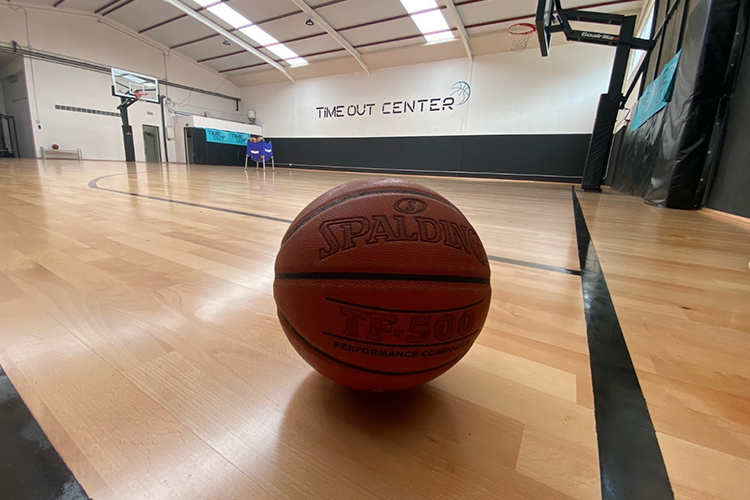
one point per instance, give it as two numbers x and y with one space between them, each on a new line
140 94
519 36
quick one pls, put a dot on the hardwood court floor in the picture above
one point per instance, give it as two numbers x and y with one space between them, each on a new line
142 335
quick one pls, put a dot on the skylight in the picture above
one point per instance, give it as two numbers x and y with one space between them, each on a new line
412 6
282 51
428 18
441 36
297 61
247 28
229 15
259 35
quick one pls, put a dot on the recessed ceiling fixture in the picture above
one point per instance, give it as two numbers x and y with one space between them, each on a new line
310 22
227 42
428 18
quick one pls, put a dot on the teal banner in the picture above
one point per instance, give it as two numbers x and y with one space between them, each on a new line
227 137
657 94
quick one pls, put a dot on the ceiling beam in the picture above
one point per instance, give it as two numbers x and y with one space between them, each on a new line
403 38
176 18
117 7
460 26
58 3
331 31
218 29
105 7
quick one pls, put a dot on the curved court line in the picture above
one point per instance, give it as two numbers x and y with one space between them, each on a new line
94 184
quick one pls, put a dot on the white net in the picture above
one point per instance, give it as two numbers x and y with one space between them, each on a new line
519 36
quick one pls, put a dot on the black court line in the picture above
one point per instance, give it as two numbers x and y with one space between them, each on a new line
30 467
630 459
535 265
94 184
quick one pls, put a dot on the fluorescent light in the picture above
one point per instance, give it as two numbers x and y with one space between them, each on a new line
229 15
417 5
297 61
441 36
205 3
282 51
430 22
259 35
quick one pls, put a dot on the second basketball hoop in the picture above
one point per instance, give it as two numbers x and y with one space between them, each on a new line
519 36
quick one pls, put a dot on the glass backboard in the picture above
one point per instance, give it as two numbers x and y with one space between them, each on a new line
135 86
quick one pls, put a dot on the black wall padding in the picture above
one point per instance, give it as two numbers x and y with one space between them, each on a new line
213 153
600 144
542 157
663 160
614 155
731 188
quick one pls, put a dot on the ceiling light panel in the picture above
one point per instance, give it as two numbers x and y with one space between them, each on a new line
418 5
297 61
430 22
282 51
229 15
428 18
441 36
259 35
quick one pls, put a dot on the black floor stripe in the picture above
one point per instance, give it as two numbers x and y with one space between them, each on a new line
535 265
94 184
630 460
30 467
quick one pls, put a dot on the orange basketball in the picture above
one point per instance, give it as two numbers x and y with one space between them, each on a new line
382 284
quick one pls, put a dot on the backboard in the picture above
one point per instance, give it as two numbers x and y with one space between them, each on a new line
544 19
134 86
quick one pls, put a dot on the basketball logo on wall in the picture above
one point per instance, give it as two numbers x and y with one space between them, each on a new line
461 91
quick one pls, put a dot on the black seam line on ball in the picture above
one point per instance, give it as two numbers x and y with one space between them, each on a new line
535 265
413 311
630 460
404 346
338 201
361 368
383 277
94 184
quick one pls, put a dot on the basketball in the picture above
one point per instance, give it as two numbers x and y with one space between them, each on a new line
381 284
55 146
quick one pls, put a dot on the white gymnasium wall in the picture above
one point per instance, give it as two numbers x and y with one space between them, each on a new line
511 93
84 37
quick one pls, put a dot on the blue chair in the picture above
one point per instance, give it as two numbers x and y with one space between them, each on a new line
254 152
268 153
